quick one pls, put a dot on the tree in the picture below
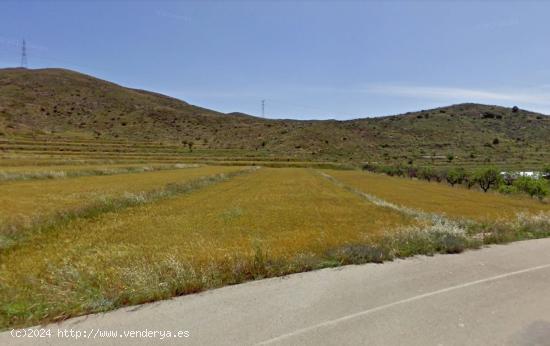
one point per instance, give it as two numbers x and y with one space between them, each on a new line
508 178
426 173
455 176
412 172
533 187
391 171
470 181
190 145
487 177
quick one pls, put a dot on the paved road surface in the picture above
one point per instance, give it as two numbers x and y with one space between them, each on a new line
498 295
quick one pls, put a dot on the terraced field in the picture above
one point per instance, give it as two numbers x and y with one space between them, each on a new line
94 243
23 151
69 171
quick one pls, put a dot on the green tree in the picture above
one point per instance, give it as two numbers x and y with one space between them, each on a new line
487 177
533 187
469 180
455 176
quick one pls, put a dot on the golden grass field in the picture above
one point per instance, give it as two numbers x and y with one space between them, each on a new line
23 202
457 202
252 224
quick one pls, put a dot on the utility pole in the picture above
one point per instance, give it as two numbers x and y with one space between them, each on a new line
263 108
24 54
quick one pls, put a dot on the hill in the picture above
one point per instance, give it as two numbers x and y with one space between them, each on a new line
72 109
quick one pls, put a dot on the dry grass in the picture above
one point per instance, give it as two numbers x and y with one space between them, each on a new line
23 203
69 171
454 202
267 223
271 222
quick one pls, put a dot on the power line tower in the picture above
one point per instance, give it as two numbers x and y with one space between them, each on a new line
263 108
24 54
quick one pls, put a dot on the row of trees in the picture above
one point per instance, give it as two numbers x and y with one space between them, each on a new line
485 178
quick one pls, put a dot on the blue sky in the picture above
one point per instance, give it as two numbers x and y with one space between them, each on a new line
315 59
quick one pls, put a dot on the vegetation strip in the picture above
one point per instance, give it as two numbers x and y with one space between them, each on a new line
532 183
110 204
60 174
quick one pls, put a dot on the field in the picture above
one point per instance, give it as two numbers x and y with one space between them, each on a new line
79 244
457 202
27 203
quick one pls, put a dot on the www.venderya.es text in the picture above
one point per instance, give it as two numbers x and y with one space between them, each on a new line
99 333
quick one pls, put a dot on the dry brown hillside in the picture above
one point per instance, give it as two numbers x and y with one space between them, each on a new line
57 104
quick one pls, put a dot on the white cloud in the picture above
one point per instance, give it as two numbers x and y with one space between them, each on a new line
538 96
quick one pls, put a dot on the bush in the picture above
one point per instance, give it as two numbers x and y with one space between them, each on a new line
370 167
361 253
533 187
450 157
507 189
389 170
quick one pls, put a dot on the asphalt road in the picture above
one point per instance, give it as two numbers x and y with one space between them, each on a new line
494 296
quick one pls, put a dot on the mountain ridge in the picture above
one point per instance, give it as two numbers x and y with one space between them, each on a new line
64 103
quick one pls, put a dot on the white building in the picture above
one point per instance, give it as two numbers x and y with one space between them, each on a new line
530 174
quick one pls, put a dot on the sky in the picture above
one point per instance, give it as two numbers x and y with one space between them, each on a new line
306 59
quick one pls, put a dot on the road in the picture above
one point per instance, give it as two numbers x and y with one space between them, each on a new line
494 296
